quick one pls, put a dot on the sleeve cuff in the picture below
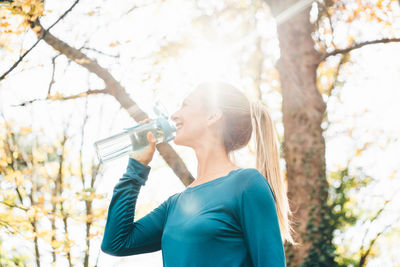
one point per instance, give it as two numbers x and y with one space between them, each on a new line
139 170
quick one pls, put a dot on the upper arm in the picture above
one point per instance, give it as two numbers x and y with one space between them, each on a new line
141 236
259 221
145 234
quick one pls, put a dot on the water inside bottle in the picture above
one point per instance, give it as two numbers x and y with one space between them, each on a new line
113 147
139 139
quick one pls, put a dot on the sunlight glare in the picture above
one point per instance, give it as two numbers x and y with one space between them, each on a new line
207 62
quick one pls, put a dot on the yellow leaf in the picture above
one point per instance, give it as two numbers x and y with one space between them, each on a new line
114 44
56 244
26 7
19 180
65 249
26 130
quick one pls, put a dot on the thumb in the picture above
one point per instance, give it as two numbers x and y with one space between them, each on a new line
151 139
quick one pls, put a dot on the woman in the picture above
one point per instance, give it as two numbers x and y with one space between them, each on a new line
229 216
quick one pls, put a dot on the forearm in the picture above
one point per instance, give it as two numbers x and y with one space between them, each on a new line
121 212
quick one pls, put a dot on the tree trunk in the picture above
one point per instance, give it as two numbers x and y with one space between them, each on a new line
304 145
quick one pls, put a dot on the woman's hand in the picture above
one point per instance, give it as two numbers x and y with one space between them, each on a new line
145 155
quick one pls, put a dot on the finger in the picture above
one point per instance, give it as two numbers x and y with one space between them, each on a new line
145 120
152 143
151 138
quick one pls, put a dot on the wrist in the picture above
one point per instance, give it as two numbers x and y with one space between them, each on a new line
137 170
141 161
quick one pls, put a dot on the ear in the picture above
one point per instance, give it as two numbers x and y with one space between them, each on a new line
214 117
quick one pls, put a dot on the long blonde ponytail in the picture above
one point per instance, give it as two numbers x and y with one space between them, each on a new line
267 162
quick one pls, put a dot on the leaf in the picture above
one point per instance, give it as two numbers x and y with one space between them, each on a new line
114 44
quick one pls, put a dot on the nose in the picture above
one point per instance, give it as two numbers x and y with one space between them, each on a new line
174 117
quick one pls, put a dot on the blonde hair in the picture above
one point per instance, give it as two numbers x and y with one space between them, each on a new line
267 155
240 117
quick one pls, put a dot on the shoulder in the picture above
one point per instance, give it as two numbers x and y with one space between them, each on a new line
172 199
249 176
252 181
165 204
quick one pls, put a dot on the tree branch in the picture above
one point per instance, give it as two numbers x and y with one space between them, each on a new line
60 97
98 52
359 45
365 254
115 89
53 62
38 40
13 205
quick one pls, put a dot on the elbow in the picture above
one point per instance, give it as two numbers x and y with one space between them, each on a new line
107 248
110 249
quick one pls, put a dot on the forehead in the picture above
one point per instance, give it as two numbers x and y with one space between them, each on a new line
193 97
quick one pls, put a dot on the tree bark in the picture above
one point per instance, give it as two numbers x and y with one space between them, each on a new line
304 145
115 89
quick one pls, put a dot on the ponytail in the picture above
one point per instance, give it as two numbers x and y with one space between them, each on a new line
267 162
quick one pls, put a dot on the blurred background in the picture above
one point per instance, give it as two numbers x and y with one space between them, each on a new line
74 72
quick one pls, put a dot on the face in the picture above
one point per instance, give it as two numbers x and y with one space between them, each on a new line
193 122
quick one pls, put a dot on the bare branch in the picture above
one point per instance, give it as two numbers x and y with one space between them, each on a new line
98 51
371 220
59 97
13 205
53 62
365 254
359 45
38 40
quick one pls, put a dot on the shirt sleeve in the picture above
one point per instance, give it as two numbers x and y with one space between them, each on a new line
259 221
123 236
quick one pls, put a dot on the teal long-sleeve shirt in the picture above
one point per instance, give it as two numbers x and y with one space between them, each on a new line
229 221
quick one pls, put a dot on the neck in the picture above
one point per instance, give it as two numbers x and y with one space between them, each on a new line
213 162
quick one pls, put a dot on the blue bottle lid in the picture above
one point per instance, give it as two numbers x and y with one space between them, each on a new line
168 126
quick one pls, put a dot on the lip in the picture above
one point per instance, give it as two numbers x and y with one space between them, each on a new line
178 126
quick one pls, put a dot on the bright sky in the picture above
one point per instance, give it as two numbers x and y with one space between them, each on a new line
372 83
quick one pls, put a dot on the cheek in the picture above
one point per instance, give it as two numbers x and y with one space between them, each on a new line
195 129
194 124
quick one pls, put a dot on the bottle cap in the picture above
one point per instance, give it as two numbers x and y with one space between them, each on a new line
168 126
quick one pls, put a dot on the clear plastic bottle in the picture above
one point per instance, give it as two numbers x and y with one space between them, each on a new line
135 138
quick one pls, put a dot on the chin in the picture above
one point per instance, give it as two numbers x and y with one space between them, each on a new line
178 141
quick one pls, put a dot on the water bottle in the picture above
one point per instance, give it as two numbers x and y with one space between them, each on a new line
135 138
